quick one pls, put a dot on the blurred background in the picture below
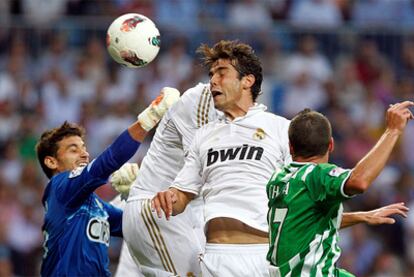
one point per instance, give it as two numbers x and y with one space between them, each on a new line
348 59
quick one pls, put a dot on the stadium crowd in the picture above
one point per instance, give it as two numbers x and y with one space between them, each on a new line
347 59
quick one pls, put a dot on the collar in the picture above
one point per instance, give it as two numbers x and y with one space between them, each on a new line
300 164
256 108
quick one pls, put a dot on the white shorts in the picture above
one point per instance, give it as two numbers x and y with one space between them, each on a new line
228 260
126 265
173 246
129 267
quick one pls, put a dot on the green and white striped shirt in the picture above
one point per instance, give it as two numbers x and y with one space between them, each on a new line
305 212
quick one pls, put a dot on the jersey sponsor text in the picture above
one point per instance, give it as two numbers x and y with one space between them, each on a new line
244 152
98 230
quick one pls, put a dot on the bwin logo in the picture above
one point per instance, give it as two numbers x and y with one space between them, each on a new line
245 152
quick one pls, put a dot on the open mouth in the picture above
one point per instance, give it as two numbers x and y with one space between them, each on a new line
215 93
81 164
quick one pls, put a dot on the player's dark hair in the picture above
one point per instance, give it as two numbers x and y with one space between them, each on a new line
49 140
309 134
242 57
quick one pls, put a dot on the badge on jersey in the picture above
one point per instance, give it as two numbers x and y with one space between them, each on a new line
77 171
259 134
336 171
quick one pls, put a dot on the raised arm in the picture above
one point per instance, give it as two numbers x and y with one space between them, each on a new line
371 165
119 152
375 217
125 146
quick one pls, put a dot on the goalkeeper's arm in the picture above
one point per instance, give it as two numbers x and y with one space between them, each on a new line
122 179
120 151
125 146
152 115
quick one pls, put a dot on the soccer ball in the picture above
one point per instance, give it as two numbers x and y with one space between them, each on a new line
133 40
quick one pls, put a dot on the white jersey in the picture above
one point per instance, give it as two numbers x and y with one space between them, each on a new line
172 139
230 163
173 246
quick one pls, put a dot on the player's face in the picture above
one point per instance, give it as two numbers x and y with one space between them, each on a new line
71 154
225 85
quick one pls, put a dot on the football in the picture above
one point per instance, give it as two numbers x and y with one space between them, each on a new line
133 40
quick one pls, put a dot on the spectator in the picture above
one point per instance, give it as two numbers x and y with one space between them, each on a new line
372 13
369 61
39 13
351 93
319 14
212 12
56 55
405 63
175 62
306 73
177 14
249 14
360 251
58 104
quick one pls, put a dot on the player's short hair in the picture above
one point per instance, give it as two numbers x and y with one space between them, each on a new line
242 57
48 142
309 134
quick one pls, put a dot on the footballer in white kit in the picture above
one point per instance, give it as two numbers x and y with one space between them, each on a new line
172 246
229 164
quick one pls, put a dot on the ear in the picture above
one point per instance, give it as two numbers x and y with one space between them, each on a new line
292 153
51 162
248 81
331 145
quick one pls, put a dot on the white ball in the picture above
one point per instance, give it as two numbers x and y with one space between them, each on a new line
133 40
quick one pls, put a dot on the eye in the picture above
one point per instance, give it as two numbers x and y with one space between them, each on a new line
222 71
73 149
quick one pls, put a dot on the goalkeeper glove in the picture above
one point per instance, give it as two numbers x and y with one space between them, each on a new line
151 115
122 179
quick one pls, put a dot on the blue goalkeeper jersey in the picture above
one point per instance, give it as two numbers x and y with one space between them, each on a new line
78 224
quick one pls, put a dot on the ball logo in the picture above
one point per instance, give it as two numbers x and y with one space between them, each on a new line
132 58
131 23
155 41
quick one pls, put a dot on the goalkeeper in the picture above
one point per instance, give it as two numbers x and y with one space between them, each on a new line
77 223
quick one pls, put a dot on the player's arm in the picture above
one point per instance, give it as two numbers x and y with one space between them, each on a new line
371 165
186 185
125 146
120 151
172 202
375 217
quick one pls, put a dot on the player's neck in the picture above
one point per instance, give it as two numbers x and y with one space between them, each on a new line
313 159
238 110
